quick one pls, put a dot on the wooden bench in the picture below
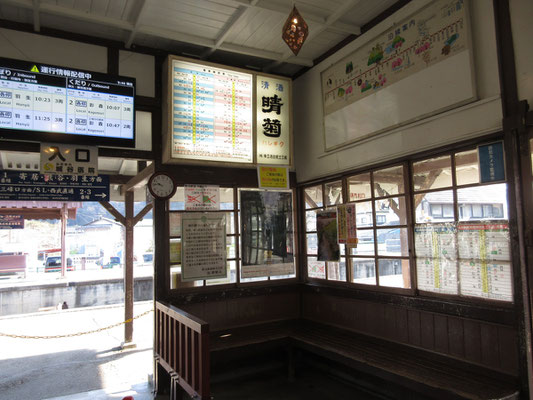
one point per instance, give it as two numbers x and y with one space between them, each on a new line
429 374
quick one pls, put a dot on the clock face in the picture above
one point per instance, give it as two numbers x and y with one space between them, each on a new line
161 186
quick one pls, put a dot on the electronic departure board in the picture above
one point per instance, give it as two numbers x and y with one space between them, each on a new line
58 104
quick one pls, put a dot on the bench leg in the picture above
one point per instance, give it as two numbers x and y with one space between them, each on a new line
290 364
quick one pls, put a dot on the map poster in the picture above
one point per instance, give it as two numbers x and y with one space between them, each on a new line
203 250
267 234
202 198
211 112
432 35
326 226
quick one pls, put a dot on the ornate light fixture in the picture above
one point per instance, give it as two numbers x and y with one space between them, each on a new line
295 31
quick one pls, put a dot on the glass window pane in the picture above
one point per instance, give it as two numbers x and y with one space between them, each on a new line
394 273
313 197
176 282
177 202
466 167
388 181
434 173
230 223
316 269
310 221
393 242
364 271
337 270
363 212
174 223
231 278
312 243
334 193
391 211
365 246
434 207
483 202
359 187
175 251
226 199
230 246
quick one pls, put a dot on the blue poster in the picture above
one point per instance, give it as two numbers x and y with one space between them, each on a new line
28 185
491 163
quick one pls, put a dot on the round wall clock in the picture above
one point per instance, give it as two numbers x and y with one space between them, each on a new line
161 186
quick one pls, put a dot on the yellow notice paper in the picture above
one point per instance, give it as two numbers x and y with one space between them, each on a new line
271 177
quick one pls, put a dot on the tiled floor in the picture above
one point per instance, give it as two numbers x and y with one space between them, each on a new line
141 391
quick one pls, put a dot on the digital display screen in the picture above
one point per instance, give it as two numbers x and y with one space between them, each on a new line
58 104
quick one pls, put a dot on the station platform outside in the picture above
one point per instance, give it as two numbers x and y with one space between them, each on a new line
93 366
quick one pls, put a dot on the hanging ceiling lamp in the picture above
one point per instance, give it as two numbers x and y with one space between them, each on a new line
295 31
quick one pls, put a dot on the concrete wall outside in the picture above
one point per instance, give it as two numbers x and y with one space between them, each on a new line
29 299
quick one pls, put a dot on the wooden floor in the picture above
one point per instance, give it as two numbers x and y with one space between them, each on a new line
310 384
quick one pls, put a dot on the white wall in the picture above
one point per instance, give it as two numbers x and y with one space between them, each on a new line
475 119
522 26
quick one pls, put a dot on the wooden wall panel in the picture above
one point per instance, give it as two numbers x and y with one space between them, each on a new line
427 331
441 333
456 337
490 351
483 343
413 321
472 334
508 350
402 325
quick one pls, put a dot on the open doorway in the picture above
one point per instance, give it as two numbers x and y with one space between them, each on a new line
83 306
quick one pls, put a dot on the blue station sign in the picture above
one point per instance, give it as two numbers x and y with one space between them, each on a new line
17 185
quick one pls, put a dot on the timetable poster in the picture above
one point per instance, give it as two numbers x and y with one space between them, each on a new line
484 241
211 113
438 275
484 264
203 249
44 98
436 264
488 279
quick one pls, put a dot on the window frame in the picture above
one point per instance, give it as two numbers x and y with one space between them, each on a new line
458 211
237 259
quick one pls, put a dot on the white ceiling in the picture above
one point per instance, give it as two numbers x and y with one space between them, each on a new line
246 33
243 33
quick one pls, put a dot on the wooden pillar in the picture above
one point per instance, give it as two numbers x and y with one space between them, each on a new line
64 216
128 267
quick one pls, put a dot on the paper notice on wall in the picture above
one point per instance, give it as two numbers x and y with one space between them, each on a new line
316 269
203 246
347 225
435 240
484 241
437 275
487 279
